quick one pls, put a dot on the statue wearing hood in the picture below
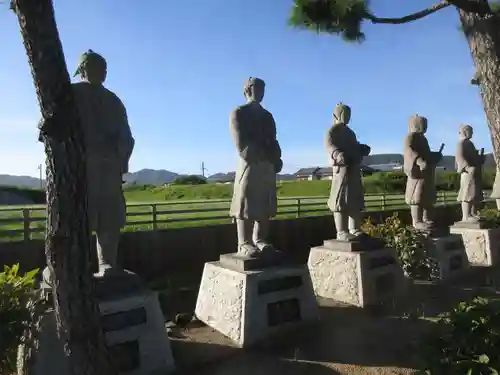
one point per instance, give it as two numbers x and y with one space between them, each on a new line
254 201
469 166
495 191
347 199
419 166
108 146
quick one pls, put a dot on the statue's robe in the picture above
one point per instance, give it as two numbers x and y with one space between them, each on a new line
469 166
253 131
495 191
108 145
346 194
420 185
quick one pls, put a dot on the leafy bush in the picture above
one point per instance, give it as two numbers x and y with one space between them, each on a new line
135 187
465 341
377 183
488 178
412 246
491 216
447 181
17 297
190 180
385 182
37 196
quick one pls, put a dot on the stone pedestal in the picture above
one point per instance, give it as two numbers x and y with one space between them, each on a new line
248 299
133 325
345 272
482 245
448 251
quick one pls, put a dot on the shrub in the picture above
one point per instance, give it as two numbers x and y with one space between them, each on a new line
395 182
412 246
447 181
491 216
385 182
37 196
465 341
488 178
17 298
190 180
135 187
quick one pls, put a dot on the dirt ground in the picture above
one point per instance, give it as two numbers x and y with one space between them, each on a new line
346 340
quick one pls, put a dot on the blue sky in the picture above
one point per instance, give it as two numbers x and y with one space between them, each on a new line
179 67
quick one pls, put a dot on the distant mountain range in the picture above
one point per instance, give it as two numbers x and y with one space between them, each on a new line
22 181
160 177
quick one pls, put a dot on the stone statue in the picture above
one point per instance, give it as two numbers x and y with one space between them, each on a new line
108 144
347 199
495 192
419 165
469 166
254 202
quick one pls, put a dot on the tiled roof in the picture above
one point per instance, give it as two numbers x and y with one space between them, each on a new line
307 171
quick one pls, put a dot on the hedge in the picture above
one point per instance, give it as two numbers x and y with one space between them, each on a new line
395 182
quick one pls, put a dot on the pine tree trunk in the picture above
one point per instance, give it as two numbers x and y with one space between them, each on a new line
483 36
67 244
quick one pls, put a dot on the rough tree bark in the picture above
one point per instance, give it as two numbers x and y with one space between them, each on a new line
483 35
67 245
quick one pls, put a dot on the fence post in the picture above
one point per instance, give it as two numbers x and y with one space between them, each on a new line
153 213
26 226
383 201
298 207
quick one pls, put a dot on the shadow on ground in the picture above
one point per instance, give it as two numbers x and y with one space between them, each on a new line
226 360
384 339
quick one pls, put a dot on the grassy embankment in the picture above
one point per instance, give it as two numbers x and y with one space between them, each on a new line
215 197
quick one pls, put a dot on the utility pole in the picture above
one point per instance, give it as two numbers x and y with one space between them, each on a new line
40 172
203 169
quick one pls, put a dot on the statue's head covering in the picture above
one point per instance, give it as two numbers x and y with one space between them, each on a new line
466 131
253 81
249 90
90 57
342 114
417 124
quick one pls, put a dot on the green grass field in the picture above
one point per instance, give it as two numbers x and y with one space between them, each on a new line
285 189
181 206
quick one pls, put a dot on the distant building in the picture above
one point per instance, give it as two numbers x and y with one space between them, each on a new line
388 167
227 178
325 173
307 174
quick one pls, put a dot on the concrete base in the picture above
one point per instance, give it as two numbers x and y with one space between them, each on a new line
249 306
134 329
357 278
482 246
449 253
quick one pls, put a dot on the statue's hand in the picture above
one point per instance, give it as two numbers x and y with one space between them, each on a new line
470 169
437 157
365 150
422 164
339 158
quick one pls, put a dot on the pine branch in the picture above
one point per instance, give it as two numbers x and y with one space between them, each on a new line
411 17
